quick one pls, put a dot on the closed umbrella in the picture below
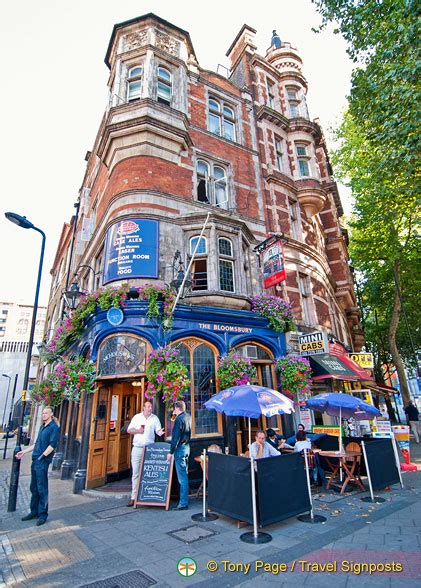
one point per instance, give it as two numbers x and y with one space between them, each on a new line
343 406
251 401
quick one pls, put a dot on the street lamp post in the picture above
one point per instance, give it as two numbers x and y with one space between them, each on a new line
24 223
7 398
9 422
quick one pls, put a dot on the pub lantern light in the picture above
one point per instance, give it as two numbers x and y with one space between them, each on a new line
73 296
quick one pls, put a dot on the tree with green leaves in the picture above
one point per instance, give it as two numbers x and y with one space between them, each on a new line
378 156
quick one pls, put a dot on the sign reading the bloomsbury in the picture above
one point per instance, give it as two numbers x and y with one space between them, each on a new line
131 250
273 265
364 360
313 343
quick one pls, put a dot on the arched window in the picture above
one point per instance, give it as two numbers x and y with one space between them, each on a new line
164 87
199 270
134 83
212 185
226 265
221 119
200 359
122 355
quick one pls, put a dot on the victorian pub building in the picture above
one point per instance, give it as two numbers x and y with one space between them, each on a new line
185 159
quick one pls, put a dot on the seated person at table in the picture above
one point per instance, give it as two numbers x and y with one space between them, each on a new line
302 441
260 448
214 448
277 441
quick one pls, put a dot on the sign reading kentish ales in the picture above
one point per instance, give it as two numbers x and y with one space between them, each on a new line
155 476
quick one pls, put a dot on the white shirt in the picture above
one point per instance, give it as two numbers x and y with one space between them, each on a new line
268 450
152 425
300 445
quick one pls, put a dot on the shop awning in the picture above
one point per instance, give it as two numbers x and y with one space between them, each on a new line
384 389
353 365
331 366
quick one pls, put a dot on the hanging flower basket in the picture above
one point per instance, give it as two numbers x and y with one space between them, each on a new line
69 379
295 377
234 370
276 310
167 375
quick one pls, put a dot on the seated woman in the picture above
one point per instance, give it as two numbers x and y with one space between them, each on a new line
302 441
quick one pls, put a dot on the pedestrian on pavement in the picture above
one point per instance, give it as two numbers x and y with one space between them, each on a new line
42 456
180 448
143 427
412 415
261 448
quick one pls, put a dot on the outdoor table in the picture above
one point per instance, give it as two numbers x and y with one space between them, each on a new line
348 461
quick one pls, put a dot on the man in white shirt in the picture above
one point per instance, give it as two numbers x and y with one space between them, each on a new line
261 448
143 427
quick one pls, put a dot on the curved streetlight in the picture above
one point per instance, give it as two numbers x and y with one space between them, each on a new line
24 223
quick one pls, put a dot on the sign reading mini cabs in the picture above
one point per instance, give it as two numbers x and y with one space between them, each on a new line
131 250
313 343
364 360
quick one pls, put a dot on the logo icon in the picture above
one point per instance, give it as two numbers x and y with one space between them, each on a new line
127 227
187 567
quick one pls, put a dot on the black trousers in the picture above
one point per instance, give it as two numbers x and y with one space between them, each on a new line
39 488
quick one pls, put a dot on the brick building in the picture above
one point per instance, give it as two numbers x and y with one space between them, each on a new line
181 149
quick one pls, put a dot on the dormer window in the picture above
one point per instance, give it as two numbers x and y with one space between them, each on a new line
164 87
221 119
134 83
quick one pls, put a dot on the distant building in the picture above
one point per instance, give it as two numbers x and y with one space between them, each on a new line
15 326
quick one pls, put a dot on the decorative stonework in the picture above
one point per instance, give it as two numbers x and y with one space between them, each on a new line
167 43
135 40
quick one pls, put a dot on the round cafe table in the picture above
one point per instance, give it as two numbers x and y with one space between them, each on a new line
348 461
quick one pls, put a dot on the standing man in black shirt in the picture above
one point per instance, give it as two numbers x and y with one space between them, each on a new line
42 456
412 415
180 448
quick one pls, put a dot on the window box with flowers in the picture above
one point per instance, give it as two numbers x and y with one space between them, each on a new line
167 375
295 377
234 370
276 310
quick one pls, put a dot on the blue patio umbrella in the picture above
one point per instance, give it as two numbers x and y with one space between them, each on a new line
343 406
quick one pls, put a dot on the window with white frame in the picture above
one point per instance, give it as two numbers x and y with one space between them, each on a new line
212 185
279 155
271 93
294 102
199 270
303 159
164 86
226 265
221 119
134 83
305 295
294 218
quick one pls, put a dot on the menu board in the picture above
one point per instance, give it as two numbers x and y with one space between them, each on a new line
154 487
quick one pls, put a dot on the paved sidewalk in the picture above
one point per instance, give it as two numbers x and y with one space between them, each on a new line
90 539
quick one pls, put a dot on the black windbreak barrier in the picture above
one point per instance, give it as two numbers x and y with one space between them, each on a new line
382 464
282 488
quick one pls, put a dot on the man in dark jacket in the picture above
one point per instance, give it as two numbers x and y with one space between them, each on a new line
180 448
42 456
412 415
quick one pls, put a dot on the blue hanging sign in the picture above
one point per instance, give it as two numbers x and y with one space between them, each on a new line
131 250
115 316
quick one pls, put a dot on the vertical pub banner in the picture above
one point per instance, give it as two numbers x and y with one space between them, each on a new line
273 265
131 250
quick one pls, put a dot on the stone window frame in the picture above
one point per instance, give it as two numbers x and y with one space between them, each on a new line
279 147
220 113
226 258
160 79
211 182
130 79
303 156
271 86
200 258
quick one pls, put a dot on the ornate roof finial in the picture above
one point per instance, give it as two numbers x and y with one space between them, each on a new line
276 40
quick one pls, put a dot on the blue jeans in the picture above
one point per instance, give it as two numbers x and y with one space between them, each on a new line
181 458
39 488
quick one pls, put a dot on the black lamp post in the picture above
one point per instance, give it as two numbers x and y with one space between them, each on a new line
24 223
73 296
7 398
178 275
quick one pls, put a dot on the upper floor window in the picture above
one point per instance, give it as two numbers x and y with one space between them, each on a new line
306 296
201 247
226 265
164 88
294 217
212 185
134 83
303 160
199 268
271 93
293 102
279 154
221 119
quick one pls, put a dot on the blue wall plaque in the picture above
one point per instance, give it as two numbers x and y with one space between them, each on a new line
115 316
131 250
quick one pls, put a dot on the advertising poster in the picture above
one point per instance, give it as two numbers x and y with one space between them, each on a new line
131 250
273 265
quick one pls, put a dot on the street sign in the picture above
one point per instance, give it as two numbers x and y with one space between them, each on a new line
313 343
364 360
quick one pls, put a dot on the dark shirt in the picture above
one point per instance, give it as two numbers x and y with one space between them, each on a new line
412 412
181 432
47 435
274 443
